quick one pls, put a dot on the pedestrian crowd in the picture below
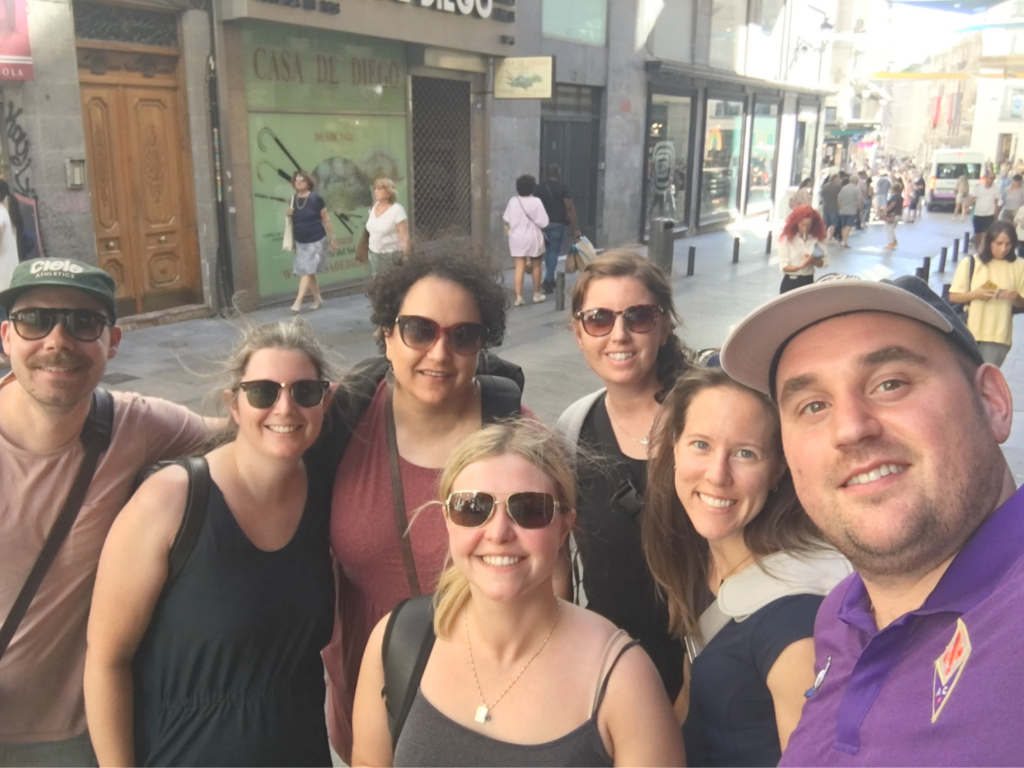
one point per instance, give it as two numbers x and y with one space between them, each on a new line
809 554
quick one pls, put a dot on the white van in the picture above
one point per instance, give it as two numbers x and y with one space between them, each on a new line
948 165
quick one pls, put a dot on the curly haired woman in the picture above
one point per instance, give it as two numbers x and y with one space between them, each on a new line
803 232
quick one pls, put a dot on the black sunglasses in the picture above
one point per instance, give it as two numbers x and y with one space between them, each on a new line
528 509
421 333
36 323
640 318
264 393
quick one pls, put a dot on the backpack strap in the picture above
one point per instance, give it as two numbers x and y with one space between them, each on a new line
408 640
95 436
499 398
195 513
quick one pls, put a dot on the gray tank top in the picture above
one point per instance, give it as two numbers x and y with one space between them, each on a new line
429 738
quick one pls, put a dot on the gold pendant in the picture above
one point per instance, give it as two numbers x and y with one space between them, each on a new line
481 714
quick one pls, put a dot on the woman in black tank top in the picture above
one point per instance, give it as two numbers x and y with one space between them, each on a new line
204 640
515 675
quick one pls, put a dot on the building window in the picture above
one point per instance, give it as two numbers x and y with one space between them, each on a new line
762 156
668 156
723 140
1015 104
728 29
764 51
585 21
805 144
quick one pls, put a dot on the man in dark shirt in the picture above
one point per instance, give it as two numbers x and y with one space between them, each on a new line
830 204
562 214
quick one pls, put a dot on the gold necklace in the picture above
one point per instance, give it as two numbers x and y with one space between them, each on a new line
642 441
483 712
736 568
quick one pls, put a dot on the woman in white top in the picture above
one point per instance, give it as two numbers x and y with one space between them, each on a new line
387 224
804 230
525 219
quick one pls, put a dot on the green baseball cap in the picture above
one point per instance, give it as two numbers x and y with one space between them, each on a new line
61 273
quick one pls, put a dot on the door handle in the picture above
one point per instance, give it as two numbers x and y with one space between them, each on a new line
162 239
110 245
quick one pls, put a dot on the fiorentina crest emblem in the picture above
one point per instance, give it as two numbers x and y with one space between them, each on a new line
949 666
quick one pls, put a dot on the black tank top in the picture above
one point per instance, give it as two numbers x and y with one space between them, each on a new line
229 671
430 738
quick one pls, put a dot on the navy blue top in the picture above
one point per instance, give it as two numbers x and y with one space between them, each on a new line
306 222
731 720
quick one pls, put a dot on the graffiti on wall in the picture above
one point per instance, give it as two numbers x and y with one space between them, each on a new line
18 146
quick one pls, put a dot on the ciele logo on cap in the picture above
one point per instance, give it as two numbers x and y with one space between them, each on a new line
54 265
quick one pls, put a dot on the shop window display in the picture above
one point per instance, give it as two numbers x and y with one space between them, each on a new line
668 156
762 156
723 140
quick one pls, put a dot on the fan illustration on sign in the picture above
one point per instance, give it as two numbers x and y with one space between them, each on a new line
523 81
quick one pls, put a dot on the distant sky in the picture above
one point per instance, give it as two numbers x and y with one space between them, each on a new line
916 33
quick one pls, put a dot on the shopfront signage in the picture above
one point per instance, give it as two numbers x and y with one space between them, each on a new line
524 77
15 51
664 160
479 8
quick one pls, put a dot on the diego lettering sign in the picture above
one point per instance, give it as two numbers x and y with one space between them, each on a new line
479 8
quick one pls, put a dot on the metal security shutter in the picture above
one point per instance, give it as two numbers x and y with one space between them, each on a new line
442 186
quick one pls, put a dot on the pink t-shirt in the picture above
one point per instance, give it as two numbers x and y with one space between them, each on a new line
41 674
526 218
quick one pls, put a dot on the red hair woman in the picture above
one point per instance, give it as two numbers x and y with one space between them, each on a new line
803 232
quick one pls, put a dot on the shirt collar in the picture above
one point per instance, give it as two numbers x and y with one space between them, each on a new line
975 571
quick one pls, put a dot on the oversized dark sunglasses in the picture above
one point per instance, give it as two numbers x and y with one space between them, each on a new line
264 393
421 333
36 323
640 318
528 509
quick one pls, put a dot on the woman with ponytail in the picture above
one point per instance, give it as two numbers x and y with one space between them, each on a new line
516 676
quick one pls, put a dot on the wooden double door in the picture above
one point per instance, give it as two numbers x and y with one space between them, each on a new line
139 162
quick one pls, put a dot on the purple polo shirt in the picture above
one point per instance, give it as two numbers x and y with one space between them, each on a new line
942 685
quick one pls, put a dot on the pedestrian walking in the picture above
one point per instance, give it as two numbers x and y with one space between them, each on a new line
558 205
830 207
916 198
963 194
311 227
514 675
892 215
882 192
803 194
722 525
218 661
1012 199
991 283
525 220
802 234
866 198
892 427
848 201
985 198
54 424
624 321
393 424
388 226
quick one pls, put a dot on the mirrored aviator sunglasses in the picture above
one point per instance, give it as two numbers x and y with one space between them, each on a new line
640 318
263 393
421 332
527 509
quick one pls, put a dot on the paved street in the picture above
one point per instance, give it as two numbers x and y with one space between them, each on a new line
176 361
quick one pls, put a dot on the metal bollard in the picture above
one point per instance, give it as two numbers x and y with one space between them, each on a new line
942 259
967 243
919 272
560 291
768 245
691 258
926 268
956 250
735 250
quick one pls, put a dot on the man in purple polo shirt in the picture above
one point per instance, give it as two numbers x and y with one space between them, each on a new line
891 425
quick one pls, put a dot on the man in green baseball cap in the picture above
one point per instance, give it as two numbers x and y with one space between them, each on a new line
59 334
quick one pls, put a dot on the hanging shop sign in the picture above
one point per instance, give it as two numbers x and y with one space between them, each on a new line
15 51
524 77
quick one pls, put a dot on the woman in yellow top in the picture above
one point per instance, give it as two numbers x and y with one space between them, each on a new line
995 289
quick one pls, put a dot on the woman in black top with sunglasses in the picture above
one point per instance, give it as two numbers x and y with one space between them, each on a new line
436 314
623 319
217 662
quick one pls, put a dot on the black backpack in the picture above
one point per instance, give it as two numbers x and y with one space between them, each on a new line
408 640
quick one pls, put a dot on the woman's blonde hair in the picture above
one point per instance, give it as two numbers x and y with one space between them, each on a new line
388 186
518 436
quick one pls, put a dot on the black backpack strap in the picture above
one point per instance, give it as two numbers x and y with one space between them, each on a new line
408 641
499 398
195 513
95 437
490 364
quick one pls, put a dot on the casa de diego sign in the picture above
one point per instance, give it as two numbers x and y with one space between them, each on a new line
479 8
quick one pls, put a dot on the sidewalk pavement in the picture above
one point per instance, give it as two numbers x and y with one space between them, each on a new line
179 361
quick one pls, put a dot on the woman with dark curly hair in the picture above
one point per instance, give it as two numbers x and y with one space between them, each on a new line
623 318
394 421
802 233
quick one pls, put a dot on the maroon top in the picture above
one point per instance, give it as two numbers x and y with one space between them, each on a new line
364 540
